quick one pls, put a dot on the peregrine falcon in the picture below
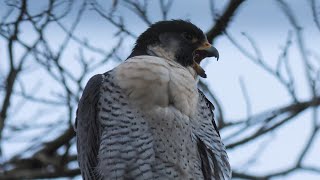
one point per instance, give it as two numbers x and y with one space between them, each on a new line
146 118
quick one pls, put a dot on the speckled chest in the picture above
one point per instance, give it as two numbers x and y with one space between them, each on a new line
166 93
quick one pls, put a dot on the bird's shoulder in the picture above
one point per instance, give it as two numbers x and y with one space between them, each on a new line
211 148
88 129
89 97
207 107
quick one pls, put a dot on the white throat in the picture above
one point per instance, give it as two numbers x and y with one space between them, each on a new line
161 52
153 82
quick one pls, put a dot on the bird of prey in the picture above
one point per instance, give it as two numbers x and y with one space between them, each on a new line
146 118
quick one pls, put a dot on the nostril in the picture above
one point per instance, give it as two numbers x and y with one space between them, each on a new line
207 44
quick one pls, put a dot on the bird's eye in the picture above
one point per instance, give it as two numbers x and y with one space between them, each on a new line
188 36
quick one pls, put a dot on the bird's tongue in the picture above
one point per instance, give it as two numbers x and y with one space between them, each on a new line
199 55
199 70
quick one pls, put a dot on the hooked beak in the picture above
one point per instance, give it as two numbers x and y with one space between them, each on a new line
204 51
209 50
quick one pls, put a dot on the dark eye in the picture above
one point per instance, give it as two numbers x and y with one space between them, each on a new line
188 36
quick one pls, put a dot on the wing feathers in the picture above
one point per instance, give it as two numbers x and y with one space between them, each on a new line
209 143
88 129
205 164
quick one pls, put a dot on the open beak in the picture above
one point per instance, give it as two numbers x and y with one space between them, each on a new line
204 51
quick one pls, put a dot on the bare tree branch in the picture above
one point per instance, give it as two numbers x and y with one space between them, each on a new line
165 8
302 48
315 12
273 122
13 73
224 20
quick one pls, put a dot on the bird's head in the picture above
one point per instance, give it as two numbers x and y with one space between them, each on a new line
176 40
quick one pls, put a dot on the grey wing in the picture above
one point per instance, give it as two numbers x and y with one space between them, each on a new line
88 129
126 143
214 159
